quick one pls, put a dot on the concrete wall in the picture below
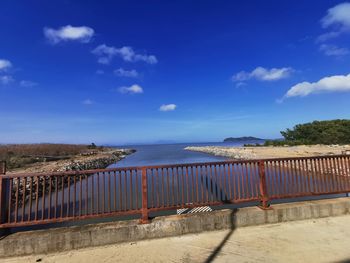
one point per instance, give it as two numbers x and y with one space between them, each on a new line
61 239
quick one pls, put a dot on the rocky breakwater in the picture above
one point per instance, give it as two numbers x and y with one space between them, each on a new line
95 161
230 152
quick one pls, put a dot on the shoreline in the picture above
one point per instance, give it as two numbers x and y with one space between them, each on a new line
266 152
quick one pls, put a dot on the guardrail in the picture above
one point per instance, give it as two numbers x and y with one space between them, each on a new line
31 199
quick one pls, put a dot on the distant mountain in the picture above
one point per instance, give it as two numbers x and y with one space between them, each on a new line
241 139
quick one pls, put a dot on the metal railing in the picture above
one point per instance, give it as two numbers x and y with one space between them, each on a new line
30 199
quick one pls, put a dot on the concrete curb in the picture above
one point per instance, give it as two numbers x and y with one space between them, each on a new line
63 239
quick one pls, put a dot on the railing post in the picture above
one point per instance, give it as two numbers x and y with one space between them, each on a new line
263 187
144 210
4 193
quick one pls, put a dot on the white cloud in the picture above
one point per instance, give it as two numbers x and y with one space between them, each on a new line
126 73
332 50
134 89
69 33
263 74
338 83
88 102
167 107
105 54
27 83
5 80
338 17
5 64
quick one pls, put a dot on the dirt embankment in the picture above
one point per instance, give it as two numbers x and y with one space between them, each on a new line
85 161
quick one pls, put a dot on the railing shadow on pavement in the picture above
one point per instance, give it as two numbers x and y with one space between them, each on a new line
223 242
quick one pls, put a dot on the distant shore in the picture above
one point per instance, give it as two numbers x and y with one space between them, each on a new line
245 153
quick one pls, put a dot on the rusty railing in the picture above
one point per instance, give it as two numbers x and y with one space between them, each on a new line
29 199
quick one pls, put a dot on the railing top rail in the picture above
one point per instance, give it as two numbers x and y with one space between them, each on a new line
116 169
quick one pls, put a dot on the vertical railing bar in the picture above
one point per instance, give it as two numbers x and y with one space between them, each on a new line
92 193
125 191
168 189
30 199
130 195
178 186
227 181
322 175
195 177
152 188
50 197
256 177
163 186
326 176
238 181
157 187
24 197
56 196
87 193
109 192
172 186
68 195
144 215
183 184
217 183
62 197
270 177
80 195
98 193
37 198
302 169
283 177
335 174
294 177
10 199
103 206
341 173
242 181
120 191
74 195
345 169
251 179
43 199
16 203
211 184
229 175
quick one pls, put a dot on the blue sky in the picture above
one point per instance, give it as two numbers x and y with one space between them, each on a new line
120 72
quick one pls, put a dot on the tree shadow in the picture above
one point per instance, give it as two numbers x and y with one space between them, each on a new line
219 247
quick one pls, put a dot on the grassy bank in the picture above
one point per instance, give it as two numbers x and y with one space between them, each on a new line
22 155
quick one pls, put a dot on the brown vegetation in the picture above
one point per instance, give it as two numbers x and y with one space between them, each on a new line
19 155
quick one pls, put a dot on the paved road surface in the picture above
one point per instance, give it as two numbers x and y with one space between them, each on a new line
320 240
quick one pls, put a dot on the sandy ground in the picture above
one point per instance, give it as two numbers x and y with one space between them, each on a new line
320 240
271 152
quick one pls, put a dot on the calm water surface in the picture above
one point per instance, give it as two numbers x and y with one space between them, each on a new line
170 154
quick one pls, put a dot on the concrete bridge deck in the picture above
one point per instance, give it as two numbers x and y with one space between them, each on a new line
313 240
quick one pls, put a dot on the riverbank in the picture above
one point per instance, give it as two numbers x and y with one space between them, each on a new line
244 153
95 159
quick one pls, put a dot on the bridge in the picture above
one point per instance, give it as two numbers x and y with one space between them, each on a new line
40 198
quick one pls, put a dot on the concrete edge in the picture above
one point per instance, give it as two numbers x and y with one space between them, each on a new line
76 237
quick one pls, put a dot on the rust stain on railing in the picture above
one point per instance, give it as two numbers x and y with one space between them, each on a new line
39 198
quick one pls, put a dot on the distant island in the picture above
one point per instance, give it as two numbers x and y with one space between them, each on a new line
242 139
